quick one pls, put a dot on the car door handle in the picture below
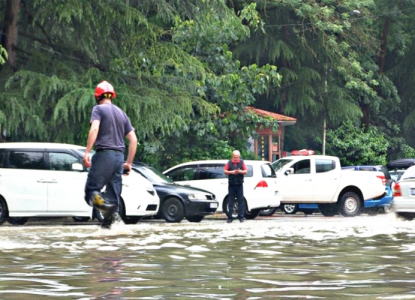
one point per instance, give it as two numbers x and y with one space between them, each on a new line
47 181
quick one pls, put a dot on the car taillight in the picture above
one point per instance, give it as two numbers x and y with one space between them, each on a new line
262 183
397 190
383 178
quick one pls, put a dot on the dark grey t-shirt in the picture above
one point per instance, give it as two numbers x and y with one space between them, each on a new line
114 126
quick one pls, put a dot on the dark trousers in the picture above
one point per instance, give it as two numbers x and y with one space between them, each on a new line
236 191
106 170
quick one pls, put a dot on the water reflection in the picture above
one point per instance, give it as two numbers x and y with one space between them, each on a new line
320 258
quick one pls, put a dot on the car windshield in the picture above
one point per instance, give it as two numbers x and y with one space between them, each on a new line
82 152
409 173
154 175
279 164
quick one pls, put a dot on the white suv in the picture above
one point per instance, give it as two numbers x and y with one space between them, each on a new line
260 183
48 180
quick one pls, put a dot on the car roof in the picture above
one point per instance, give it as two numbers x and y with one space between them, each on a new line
37 145
221 161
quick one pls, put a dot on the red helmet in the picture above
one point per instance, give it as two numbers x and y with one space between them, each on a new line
105 88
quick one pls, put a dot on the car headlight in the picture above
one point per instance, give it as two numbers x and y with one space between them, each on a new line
196 196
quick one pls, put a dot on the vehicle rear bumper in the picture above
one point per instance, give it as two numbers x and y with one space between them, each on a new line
382 202
403 205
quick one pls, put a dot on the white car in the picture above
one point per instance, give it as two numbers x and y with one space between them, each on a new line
260 184
48 180
404 195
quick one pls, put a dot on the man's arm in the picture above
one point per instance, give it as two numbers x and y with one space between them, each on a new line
227 172
132 148
92 137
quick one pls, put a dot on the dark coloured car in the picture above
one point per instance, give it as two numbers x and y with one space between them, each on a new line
176 201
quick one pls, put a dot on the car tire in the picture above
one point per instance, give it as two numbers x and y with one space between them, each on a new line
250 215
3 210
124 217
350 205
195 219
17 220
328 209
81 219
289 209
235 208
173 211
268 212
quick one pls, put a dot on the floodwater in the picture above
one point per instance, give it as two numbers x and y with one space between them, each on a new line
279 257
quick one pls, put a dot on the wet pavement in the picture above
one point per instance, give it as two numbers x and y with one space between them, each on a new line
278 257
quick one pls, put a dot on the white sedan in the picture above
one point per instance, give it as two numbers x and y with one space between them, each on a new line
404 195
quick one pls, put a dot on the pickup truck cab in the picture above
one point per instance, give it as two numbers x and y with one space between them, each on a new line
320 179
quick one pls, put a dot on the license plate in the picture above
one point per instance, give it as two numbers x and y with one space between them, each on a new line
213 205
412 192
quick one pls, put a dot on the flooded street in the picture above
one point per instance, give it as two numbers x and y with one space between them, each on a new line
279 257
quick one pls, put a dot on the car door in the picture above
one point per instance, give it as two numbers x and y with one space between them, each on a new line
326 179
23 181
211 177
66 186
298 185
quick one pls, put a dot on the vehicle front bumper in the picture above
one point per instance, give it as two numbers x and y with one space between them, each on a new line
201 208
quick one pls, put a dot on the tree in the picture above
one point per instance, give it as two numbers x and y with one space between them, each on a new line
356 146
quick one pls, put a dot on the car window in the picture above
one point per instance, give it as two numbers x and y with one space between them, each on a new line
211 171
62 161
154 175
183 173
409 174
302 167
396 175
279 164
267 171
26 160
325 165
2 156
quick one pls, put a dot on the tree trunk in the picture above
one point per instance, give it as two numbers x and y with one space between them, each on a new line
383 44
366 116
9 37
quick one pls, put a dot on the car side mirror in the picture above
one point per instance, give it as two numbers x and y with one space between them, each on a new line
289 171
77 167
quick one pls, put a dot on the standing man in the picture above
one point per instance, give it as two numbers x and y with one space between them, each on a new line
236 169
108 127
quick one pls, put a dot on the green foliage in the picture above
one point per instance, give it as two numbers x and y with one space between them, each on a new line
3 55
354 146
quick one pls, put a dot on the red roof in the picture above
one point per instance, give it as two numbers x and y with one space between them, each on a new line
264 113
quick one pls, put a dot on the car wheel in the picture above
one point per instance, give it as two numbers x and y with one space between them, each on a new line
3 210
268 212
226 208
81 219
124 217
350 205
328 209
173 210
17 220
250 215
195 219
290 209
406 216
